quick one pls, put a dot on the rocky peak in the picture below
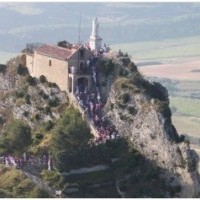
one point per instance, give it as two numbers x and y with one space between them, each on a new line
140 111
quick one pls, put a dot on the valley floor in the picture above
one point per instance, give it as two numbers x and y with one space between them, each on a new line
178 70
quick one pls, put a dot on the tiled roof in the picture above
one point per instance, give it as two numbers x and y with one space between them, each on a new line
56 52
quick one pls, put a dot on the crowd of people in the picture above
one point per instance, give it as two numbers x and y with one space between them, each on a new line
21 161
91 102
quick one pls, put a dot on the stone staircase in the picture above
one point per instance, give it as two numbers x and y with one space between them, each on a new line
75 103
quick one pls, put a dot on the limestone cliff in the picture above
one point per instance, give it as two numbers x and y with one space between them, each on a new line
140 111
26 98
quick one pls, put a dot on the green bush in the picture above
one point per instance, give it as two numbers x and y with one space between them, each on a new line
39 136
49 125
42 79
132 110
123 72
3 68
2 120
69 135
26 113
132 67
38 193
28 99
124 86
54 102
37 117
52 178
31 80
107 67
159 92
19 94
50 84
3 194
16 137
103 84
21 70
125 98
177 188
41 92
126 61
45 96
120 53
47 110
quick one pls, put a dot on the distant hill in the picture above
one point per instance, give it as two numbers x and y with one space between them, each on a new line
119 22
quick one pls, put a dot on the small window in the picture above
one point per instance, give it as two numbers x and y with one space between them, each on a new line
49 62
82 52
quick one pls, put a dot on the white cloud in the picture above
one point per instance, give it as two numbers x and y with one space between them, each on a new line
23 8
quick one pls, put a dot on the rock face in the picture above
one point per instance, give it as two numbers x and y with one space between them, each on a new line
146 123
26 98
138 109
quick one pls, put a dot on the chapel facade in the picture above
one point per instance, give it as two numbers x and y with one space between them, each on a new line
66 66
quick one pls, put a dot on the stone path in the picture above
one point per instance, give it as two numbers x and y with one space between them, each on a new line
86 170
41 184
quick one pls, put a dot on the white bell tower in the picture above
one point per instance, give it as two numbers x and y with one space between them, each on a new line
95 39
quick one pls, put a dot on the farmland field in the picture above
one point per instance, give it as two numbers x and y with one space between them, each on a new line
165 50
186 106
188 70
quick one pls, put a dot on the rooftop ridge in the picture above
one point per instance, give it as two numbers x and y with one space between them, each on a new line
56 51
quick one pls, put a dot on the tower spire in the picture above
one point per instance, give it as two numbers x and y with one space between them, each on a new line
95 39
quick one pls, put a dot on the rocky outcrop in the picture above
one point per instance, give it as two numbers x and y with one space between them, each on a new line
140 111
146 123
26 98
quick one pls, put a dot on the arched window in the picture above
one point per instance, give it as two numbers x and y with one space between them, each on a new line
82 53
49 62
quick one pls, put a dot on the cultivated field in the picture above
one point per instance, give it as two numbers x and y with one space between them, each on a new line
162 51
189 70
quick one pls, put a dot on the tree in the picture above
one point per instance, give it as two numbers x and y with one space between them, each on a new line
125 61
22 70
3 68
69 134
132 67
71 131
42 79
107 67
16 138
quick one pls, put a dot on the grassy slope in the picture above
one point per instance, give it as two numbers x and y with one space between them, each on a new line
14 184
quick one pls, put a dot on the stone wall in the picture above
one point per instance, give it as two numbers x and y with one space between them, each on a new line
54 69
29 63
73 60
57 72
